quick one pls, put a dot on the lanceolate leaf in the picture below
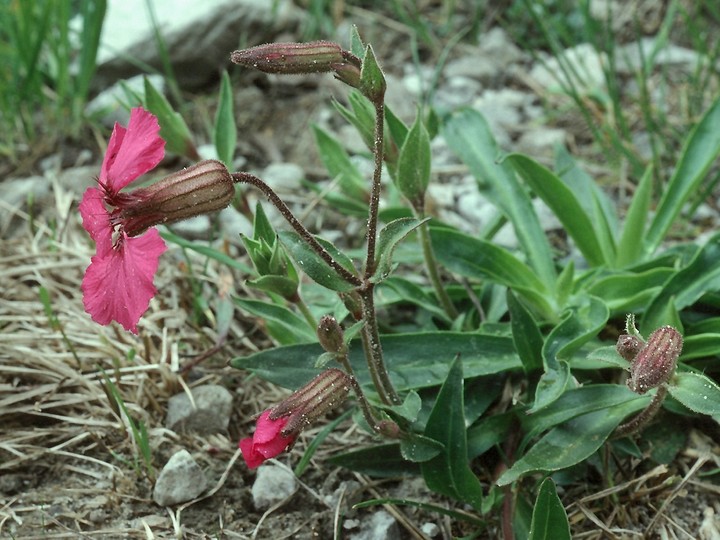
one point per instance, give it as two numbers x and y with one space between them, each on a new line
313 265
549 521
172 126
413 172
414 360
698 155
564 205
389 237
631 246
697 392
571 442
294 328
225 133
449 473
526 334
468 134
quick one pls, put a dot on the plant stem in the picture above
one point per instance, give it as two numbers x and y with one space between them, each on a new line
378 152
302 306
373 348
432 270
362 400
643 417
278 203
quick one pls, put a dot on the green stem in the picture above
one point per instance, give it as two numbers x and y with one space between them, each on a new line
432 270
302 306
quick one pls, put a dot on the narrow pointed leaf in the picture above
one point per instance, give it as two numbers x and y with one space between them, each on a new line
388 239
225 132
173 128
631 246
549 521
526 334
697 392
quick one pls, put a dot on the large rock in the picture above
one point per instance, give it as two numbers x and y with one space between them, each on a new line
181 480
207 412
199 36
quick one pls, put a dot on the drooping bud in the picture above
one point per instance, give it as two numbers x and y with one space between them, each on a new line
330 334
291 58
389 429
629 346
348 72
655 363
307 404
201 188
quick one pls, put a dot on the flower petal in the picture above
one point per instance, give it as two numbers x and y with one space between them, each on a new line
96 219
267 441
133 151
118 285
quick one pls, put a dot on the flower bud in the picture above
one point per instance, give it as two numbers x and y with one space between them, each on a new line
307 404
389 429
330 334
204 187
655 363
291 58
629 346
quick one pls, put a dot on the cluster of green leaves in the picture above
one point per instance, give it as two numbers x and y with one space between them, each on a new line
524 316
48 64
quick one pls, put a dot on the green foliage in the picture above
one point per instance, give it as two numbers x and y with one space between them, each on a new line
48 64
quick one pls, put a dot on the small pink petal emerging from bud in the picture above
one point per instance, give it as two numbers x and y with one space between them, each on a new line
330 334
628 346
267 441
291 58
655 363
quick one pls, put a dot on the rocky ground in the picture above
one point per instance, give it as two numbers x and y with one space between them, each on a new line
70 464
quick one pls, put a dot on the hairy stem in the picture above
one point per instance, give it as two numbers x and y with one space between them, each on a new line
278 203
378 152
643 417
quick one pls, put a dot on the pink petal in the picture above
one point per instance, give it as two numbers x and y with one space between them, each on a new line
133 151
118 286
96 219
267 442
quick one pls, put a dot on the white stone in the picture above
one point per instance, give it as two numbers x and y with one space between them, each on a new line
540 141
283 177
380 526
272 485
207 412
181 480
584 70
630 57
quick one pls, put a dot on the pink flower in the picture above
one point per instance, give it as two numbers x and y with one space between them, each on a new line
267 441
118 284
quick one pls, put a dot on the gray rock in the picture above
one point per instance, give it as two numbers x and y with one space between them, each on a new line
630 57
380 526
209 414
457 92
283 177
181 480
199 36
108 104
540 141
272 485
584 73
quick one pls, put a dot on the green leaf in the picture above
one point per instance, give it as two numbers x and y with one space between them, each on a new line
407 291
580 324
225 134
488 432
410 407
697 392
338 164
414 361
313 265
173 128
701 346
388 239
294 329
478 259
625 292
569 443
210 252
379 461
564 205
413 172
701 275
610 356
631 245
285 287
449 473
698 154
526 335
419 449
468 134
549 520
372 80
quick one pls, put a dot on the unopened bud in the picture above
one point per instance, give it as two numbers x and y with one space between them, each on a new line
628 346
389 429
204 187
291 58
347 72
307 404
655 363
330 334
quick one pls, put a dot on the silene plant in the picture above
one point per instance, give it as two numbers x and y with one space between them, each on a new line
515 366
